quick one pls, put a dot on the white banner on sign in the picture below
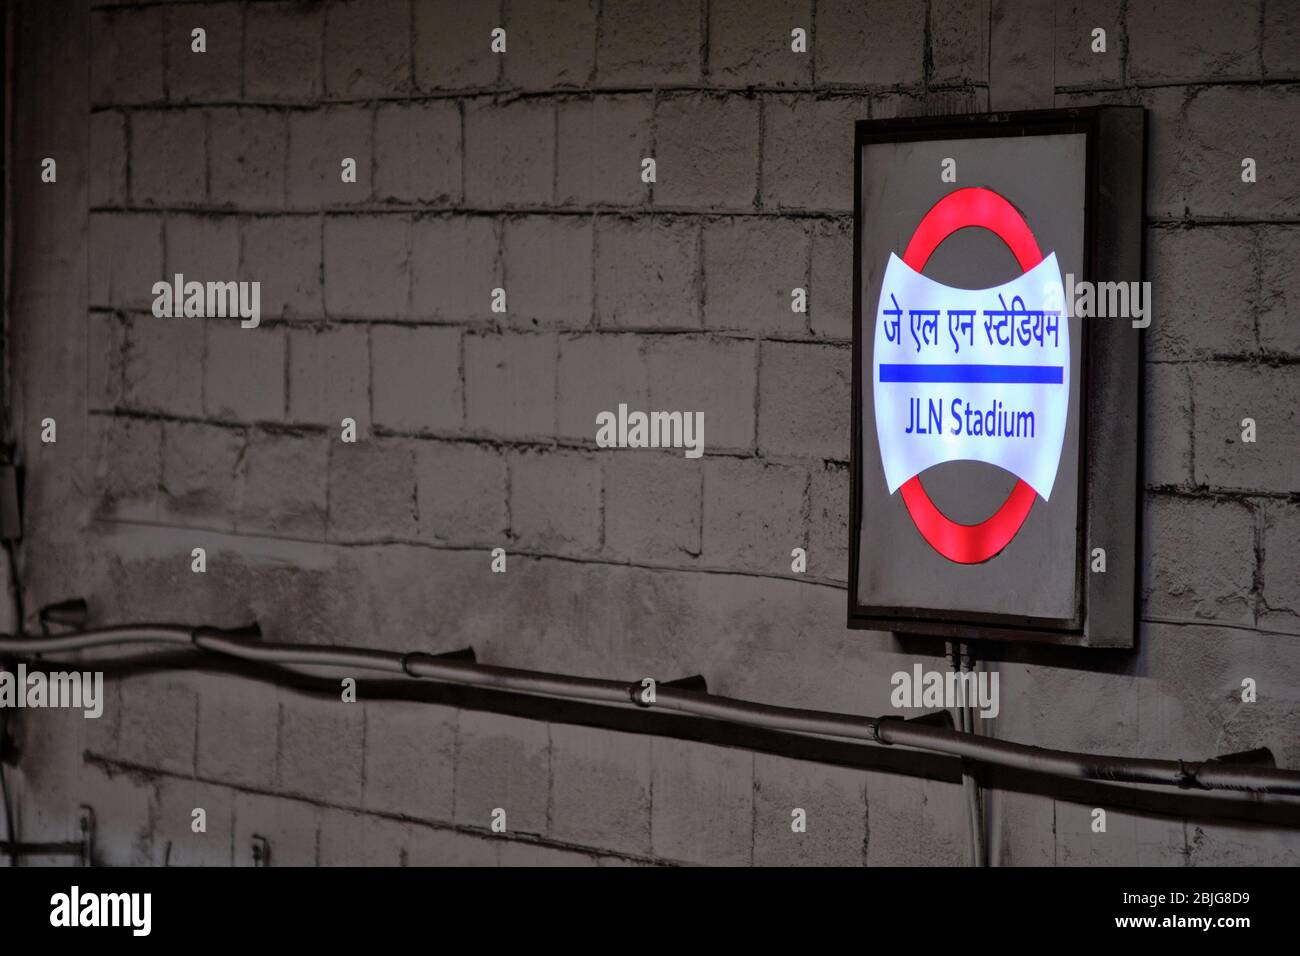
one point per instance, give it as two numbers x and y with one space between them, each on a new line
972 374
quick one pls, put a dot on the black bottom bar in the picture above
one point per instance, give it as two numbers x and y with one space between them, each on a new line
597 907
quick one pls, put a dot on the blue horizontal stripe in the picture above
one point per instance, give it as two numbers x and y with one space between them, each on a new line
1000 374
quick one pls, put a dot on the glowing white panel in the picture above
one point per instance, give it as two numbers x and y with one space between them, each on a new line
972 374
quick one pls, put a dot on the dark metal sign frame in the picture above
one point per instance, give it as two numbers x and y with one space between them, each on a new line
1110 393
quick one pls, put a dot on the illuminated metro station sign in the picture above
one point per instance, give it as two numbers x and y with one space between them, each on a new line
982 375
980 506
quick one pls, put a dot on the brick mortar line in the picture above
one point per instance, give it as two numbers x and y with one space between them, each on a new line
1190 385
1218 222
1219 493
455 759
416 210
1259 531
1206 83
706 67
484 329
1201 622
538 443
504 96
1123 42
253 535
544 556
1263 36
115 765
597 34
631 212
825 91
988 48
1256 360
243 50
505 443
812 37
411 33
927 46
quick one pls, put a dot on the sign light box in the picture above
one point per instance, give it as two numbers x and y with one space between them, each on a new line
995 423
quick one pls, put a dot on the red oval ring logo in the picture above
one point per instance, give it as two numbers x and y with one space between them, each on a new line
962 209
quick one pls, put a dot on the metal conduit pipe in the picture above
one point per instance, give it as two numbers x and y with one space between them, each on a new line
516 681
128 634
251 649
1207 775
245 643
